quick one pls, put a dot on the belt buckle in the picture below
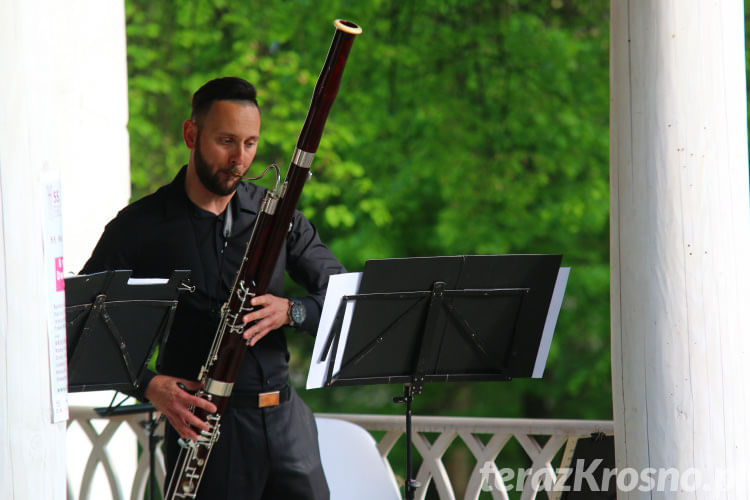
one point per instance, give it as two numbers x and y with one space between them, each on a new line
266 399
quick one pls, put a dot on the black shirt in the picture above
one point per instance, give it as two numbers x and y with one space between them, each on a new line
166 231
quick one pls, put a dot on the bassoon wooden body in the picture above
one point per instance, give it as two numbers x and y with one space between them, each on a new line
218 374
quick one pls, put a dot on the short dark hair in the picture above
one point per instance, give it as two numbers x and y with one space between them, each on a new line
228 88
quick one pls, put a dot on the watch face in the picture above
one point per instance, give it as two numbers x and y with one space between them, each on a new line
298 312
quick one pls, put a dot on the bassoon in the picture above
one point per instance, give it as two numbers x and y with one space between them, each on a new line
272 225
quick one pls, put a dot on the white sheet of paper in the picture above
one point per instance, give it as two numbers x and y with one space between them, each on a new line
549 324
339 285
52 250
147 281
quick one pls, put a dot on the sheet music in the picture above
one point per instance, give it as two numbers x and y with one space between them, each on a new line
339 285
147 281
549 324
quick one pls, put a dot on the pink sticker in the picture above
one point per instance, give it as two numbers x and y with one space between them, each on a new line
59 278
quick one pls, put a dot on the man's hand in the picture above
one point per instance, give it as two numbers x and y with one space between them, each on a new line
272 313
170 399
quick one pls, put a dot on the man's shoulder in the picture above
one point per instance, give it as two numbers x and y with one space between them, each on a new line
147 203
149 209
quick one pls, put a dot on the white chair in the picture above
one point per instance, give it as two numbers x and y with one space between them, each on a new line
352 464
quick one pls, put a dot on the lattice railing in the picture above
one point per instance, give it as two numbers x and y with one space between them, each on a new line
101 433
528 433
541 441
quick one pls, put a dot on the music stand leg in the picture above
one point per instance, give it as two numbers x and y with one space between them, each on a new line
410 484
153 440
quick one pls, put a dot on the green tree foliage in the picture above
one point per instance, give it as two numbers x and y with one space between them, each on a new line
461 127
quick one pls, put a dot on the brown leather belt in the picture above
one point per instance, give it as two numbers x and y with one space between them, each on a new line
260 399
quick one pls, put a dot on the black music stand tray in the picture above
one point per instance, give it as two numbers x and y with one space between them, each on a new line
113 328
432 319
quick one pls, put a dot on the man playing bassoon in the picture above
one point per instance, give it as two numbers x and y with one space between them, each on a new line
202 221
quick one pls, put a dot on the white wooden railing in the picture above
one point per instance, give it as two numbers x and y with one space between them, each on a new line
542 442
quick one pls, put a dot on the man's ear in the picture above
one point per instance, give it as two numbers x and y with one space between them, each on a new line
189 133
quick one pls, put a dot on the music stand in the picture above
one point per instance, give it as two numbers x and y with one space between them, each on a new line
114 324
430 319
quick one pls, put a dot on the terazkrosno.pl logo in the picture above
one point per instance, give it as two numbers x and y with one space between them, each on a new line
586 477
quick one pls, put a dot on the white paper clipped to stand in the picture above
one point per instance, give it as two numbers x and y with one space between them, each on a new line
147 281
339 285
549 324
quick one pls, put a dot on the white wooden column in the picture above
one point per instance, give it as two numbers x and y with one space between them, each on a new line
680 241
63 112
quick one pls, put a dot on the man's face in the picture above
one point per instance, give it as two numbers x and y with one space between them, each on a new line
225 145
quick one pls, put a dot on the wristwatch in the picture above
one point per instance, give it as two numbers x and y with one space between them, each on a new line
297 312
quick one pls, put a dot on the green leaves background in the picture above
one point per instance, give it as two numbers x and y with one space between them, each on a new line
460 127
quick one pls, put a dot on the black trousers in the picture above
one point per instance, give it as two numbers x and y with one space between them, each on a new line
261 454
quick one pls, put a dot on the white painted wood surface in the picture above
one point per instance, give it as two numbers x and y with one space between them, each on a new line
63 111
680 240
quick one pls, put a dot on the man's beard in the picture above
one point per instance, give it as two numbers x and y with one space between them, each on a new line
212 180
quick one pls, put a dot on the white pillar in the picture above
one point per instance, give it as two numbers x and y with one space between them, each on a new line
63 110
680 241
92 102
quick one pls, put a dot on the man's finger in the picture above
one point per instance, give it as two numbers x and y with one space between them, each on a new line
190 390
256 338
253 316
261 300
191 399
188 432
186 423
201 403
196 422
179 420
259 329
184 430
